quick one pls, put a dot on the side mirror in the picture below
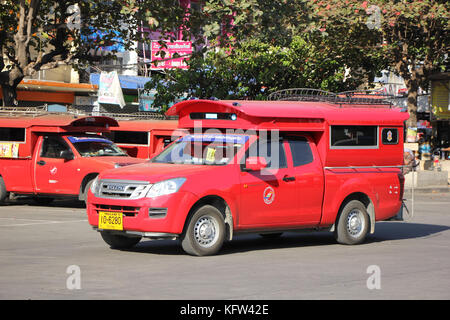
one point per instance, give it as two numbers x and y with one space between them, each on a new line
255 163
66 155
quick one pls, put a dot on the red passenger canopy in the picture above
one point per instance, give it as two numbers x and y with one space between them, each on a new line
282 115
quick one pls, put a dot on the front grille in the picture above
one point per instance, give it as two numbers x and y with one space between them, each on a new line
122 189
127 211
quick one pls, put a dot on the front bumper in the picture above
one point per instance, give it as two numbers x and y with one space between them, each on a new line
138 219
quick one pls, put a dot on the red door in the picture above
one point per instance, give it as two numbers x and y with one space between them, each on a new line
268 197
54 172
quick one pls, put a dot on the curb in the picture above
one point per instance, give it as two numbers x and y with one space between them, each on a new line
437 189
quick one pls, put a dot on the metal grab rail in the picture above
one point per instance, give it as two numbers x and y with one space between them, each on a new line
348 98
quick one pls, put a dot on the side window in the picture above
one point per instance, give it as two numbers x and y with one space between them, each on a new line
53 146
12 134
353 137
273 152
129 137
301 151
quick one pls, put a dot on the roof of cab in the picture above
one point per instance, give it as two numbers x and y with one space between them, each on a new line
332 113
57 121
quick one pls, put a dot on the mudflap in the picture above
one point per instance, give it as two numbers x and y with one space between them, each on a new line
399 215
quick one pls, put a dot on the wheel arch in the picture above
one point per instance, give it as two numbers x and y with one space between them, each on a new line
366 201
219 203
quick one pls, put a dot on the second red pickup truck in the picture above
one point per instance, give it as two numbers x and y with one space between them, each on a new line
49 156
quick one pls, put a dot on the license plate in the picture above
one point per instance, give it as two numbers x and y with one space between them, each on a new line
110 220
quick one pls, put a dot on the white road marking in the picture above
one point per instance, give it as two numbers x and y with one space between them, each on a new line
36 222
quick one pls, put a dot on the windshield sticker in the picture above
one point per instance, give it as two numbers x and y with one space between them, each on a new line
88 139
211 155
221 138
268 195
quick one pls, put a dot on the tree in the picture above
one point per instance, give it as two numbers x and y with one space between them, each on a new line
252 71
411 37
41 34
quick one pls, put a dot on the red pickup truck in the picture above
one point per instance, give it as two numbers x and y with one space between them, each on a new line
48 156
258 166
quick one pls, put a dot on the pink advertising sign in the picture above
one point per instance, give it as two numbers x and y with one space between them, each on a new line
182 48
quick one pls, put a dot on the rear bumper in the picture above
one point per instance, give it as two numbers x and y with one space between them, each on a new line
137 217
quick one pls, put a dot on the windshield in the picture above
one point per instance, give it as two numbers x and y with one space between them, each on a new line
92 146
202 149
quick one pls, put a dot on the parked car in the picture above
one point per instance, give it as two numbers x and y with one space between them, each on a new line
50 156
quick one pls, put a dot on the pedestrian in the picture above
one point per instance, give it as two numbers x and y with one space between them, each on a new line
409 161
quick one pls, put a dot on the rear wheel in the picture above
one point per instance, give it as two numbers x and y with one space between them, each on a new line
205 232
117 241
3 192
353 223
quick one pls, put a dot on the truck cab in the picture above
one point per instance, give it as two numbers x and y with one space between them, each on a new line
48 156
258 166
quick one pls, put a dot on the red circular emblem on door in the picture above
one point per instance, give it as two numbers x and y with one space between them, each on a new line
268 195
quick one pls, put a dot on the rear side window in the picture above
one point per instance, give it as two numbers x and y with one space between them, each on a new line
353 137
12 134
301 151
129 137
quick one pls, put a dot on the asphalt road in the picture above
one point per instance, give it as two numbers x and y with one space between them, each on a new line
51 252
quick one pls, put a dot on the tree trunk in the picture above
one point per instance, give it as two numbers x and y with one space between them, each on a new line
413 89
9 96
9 80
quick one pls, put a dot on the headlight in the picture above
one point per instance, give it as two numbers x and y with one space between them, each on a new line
165 187
94 186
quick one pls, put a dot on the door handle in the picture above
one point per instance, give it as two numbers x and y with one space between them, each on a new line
41 162
287 178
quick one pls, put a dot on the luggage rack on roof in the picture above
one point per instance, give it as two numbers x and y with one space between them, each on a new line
348 98
42 111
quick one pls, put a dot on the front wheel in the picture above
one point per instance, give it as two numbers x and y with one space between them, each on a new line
353 223
205 232
117 241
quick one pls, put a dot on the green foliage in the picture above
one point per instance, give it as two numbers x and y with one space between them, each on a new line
403 33
409 37
252 71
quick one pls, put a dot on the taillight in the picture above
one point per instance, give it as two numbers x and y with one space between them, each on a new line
401 179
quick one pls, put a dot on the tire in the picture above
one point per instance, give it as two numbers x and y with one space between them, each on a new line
43 201
3 192
83 195
353 223
205 232
117 241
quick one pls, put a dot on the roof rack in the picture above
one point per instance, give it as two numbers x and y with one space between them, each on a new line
21 111
348 98
42 111
302 94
